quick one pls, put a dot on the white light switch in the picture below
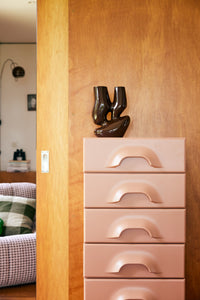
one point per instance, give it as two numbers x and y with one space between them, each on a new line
45 161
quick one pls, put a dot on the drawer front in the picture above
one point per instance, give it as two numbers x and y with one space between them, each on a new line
123 289
134 226
134 190
134 261
134 155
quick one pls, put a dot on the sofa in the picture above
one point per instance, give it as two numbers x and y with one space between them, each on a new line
18 251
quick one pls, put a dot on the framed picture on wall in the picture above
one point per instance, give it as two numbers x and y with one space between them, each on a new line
31 102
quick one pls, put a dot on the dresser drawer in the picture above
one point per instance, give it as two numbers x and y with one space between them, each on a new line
122 289
134 155
134 261
134 190
134 226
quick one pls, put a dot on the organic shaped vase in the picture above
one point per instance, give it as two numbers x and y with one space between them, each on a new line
102 105
117 126
119 103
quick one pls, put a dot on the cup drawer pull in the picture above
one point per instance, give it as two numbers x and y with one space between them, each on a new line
133 294
133 258
125 223
134 152
134 188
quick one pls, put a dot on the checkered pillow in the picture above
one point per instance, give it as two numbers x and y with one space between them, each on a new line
17 214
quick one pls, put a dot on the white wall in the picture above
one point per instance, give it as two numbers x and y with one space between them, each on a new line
18 129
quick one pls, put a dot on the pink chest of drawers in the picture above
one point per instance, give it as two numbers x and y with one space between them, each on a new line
134 219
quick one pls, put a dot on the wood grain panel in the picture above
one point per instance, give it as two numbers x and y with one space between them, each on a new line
18 298
25 292
52 135
18 176
152 48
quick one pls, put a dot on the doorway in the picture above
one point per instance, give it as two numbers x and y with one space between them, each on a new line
18 129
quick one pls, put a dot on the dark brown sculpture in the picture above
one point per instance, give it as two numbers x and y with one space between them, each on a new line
117 126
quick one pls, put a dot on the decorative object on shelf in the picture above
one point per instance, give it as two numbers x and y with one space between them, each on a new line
116 126
19 155
31 102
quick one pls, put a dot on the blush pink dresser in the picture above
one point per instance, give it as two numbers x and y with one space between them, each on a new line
134 218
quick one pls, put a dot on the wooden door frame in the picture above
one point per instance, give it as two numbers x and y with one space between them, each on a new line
52 135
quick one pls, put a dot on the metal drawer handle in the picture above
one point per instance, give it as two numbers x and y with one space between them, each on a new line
134 152
133 258
133 294
134 188
125 223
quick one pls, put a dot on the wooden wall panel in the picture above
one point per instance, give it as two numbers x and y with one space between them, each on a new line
52 135
18 176
25 292
153 49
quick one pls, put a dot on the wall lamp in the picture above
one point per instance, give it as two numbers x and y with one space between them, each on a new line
17 71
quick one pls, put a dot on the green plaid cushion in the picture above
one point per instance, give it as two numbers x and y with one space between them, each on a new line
1 226
17 214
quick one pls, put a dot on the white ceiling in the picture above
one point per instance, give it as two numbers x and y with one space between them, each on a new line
17 21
